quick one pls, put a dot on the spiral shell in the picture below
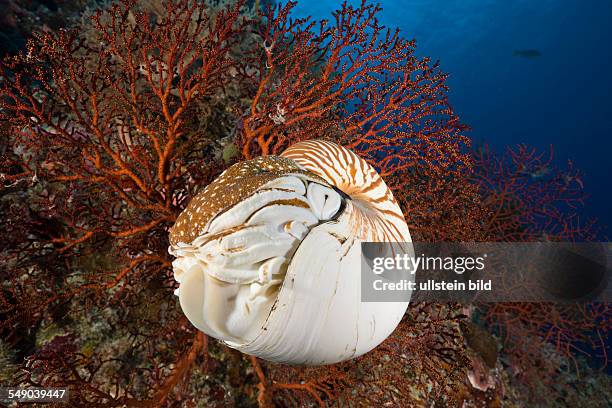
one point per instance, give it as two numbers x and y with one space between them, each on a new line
268 256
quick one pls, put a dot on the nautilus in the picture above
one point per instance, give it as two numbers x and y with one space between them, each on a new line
268 255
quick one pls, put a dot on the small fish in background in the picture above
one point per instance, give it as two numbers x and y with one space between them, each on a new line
528 53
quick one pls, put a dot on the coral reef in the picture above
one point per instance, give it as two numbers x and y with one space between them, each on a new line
108 128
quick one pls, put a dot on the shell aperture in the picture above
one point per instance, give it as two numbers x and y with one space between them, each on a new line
268 257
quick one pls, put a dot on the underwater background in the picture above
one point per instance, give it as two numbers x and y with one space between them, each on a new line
523 71
100 300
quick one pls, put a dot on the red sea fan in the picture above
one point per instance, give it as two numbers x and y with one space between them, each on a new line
530 199
354 81
100 151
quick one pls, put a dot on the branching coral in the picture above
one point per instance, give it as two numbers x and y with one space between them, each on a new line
98 132
359 83
530 199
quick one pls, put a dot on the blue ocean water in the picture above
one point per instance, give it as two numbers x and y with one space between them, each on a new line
562 97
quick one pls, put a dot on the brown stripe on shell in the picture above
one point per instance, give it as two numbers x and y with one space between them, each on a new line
377 211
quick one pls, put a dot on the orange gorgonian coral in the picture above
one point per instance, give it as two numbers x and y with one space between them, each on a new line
530 199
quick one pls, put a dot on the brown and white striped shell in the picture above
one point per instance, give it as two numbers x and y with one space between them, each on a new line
378 217
268 256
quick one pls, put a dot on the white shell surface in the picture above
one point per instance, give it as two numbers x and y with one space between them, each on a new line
319 317
278 275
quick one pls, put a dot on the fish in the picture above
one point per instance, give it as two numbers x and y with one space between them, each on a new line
527 53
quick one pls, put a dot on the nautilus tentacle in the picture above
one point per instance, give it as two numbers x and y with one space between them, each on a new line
268 256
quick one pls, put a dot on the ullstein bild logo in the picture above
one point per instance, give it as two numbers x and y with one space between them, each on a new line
487 272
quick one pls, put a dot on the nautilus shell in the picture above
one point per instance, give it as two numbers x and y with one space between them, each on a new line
268 256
